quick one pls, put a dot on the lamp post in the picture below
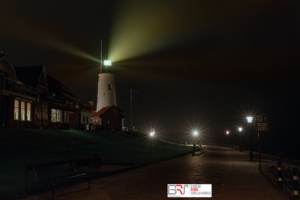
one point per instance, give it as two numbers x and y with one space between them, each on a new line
249 119
195 135
240 130
131 119
227 132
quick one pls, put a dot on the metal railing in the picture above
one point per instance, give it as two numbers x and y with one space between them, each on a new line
14 86
294 177
224 145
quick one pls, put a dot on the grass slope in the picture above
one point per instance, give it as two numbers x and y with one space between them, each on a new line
21 147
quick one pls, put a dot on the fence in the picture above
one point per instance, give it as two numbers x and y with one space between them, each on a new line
294 177
223 145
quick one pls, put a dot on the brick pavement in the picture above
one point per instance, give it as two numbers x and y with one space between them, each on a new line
230 172
245 181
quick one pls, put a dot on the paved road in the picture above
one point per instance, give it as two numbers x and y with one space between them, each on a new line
230 172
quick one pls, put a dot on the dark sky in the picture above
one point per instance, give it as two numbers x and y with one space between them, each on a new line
196 64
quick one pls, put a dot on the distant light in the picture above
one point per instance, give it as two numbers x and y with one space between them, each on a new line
227 132
240 129
152 134
249 119
195 133
107 63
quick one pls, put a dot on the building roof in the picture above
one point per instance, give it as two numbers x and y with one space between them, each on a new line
102 111
56 87
5 65
29 75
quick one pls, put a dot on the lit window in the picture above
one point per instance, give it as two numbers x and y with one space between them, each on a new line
56 115
28 111
53 115
16 110
109 87
59 116
22 111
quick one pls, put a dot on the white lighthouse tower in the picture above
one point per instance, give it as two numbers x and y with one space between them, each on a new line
106 86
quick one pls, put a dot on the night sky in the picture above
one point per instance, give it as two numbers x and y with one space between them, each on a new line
197 64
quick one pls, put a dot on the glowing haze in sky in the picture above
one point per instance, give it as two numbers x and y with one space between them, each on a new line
142 27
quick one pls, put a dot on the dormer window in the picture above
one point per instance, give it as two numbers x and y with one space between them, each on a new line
109 87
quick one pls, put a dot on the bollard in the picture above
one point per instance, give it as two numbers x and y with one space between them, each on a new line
296 183
279 175
194 150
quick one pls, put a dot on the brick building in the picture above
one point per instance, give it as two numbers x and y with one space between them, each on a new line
108 118
30 98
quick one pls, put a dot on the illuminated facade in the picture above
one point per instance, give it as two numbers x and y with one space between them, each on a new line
106 88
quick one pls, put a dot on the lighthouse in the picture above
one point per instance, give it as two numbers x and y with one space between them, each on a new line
106 95
106 116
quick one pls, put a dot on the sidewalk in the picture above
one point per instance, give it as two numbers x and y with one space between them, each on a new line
230 172
245 181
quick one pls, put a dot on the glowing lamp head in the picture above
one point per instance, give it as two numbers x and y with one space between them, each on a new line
249 119
227 132
240 129
152 134
195 133
107 63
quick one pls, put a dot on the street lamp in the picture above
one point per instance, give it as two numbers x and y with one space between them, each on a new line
227 132
240 130
152 134
195 133
249 119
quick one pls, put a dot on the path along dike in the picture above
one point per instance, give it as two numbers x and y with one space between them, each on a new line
229 171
